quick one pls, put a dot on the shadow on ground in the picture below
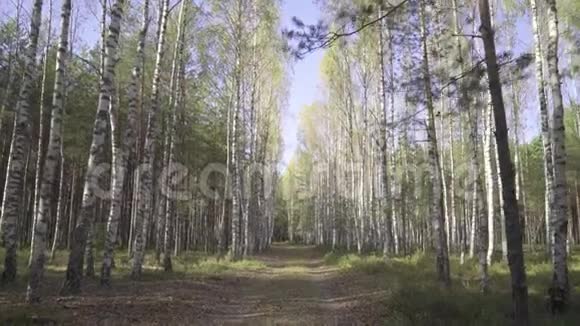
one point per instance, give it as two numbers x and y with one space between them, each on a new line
289 285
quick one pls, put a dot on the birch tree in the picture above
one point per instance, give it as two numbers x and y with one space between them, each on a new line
559 293
545 124
20 143
174 103
388 243
53 156
42 114
123 151
489 179
85 220
146 174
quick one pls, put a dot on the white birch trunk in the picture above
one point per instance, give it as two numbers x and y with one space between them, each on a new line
146 174
96 155
53 153
19 147
559 220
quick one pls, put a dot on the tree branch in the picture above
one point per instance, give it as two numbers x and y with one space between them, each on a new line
329 38
467 35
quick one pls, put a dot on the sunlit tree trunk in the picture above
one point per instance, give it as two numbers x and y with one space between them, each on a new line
174 103
122 152
453 204
61 205
146 173
489 179
545 124
391 137
53 153
518 170
19 146
90 245
445 193
235 250
96 155
44 110
559 219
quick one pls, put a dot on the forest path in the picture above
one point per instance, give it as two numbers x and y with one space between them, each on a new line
293 286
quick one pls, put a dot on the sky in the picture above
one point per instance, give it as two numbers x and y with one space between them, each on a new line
304 76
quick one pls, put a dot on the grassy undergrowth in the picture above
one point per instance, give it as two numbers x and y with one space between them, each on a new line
415 298
411 294
190 263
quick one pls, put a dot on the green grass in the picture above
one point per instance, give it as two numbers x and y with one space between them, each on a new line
188 265
412 295
415 298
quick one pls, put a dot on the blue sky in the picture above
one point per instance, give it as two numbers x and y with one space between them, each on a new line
304 75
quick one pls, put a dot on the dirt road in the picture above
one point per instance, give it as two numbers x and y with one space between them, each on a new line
294 288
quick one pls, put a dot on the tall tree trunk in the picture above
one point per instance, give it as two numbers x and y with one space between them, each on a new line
519 175
43 111
511 209
174 103
60 206
161 200
453 205
388 238
236 193
479 208
489 178
39 240
122 153
11 203
393 169
146 174
96 156
89 248
90 245
446 218
437 220
559 220
545 125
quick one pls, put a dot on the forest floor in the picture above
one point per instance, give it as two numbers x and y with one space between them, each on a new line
287 285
